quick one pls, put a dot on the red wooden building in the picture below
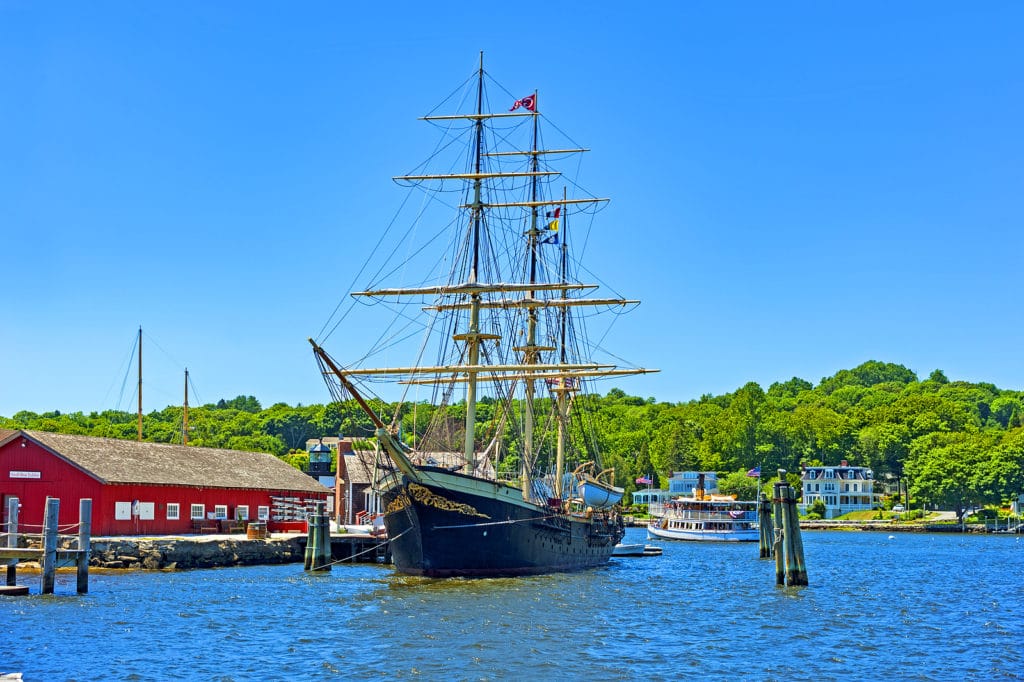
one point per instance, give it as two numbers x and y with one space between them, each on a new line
140 488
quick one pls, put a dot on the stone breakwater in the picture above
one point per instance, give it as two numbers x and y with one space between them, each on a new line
172 553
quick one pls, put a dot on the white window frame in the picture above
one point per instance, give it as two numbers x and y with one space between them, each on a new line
263 512
173 511
147 511
242 512
197 512
220 511
122 511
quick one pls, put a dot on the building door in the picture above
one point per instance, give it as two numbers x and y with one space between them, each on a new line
4 497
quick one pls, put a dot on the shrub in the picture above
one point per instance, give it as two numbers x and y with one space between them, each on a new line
817 507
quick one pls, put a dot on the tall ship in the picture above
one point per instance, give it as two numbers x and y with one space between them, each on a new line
487 461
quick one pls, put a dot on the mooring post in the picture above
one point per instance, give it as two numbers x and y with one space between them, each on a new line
327 539
322 559
764 517
787 533
84 544
50 543
796 570
12 539
307 557
780 569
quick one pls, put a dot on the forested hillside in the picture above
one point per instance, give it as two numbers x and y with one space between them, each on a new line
956 443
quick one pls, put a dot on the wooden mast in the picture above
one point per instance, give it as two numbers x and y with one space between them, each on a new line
140 383
184 424
473 337
561 402
530 350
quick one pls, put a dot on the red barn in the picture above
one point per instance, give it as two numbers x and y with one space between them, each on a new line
140 488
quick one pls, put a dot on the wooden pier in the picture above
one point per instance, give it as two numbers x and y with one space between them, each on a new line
359 548
73 551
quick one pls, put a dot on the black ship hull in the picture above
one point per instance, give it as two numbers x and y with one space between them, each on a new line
448 524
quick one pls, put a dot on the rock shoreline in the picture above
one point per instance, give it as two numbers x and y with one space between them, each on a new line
889 526
179 553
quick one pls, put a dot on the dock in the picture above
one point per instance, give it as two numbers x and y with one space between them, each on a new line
73 551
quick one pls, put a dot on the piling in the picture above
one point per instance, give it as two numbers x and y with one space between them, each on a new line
323 538
318 540
764 518
307 557
84 544
12 539
796 570
777 551
49 562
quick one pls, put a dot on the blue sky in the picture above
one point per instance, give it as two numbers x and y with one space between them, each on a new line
796 187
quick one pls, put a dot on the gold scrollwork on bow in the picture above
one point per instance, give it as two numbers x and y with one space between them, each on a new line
400 502
424 496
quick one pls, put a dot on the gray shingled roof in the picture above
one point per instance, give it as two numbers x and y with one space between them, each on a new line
359 464
128 461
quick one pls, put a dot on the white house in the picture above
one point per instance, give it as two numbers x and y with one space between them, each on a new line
685 482
842 488
680 484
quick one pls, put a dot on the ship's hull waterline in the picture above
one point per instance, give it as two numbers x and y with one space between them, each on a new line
449 525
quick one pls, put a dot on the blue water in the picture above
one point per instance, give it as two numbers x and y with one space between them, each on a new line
901 607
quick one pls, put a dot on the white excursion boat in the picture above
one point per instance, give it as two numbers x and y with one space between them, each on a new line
707 518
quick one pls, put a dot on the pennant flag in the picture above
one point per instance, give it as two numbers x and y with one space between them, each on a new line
755 472
643 480
553 239
529 103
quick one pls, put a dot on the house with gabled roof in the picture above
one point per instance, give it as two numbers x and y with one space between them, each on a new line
842 488
141 488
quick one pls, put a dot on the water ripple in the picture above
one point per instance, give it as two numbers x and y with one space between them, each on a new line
920 607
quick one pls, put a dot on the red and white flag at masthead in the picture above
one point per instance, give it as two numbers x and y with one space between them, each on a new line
529 103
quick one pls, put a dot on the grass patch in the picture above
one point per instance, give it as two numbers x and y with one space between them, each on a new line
866 515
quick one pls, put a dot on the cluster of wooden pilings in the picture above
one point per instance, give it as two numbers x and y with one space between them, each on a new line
782 538
49 555
791 570
318 540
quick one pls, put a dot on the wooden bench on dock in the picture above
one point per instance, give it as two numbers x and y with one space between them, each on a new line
210 526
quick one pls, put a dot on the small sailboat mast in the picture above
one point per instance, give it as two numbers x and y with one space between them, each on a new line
140 383
184 413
